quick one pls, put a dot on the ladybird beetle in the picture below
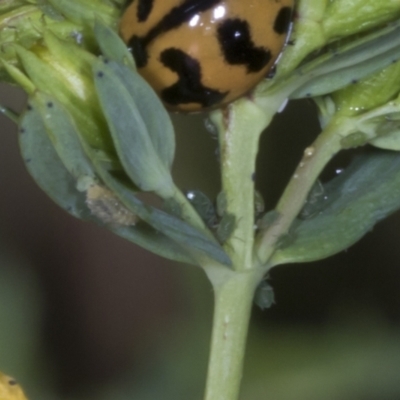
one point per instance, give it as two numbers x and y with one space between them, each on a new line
203 54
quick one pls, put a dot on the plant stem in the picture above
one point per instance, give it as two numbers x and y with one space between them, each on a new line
310 167
240 127
233 301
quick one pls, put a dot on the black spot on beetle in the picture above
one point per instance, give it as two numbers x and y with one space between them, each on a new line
28 160
237 47
100 74
144 9
188 88
50 104
175 18
139 51
29 107
22 130
282 20
12 382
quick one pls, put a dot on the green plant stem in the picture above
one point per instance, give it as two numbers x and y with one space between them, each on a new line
294 197
240 127
233 301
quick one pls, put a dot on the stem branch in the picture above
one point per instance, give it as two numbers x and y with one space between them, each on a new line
290 204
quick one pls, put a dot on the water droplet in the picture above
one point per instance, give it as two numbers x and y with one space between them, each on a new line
259 205
211 128
190 195
203 205
309 151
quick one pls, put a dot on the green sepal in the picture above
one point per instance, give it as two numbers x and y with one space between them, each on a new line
137 149
365 193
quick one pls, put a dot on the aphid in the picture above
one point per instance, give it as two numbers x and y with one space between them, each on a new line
108 208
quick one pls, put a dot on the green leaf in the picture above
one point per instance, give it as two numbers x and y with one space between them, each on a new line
154 114
111 45
133 142
10 114
47 169
188 237
45 166
65 138
344 66
365 193
145 236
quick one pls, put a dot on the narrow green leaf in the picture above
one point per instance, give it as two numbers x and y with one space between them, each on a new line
188 236
65 138
111 45
145 236
365 193
345 65
132 140
47 169
45 166
154 114
192 240
13 116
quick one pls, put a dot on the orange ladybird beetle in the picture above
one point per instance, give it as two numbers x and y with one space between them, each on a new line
202 54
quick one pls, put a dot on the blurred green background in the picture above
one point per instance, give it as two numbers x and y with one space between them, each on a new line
86 315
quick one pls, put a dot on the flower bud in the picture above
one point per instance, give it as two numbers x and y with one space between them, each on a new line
64 70
370 92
